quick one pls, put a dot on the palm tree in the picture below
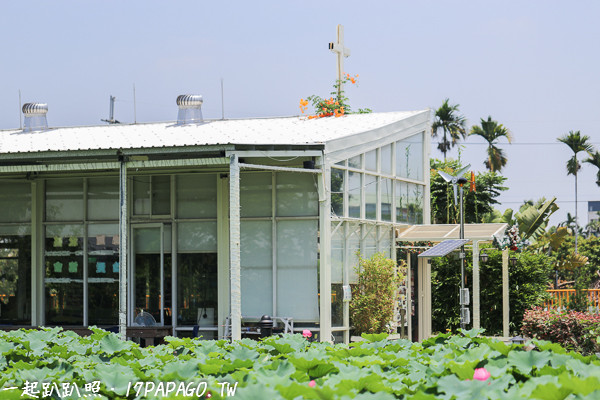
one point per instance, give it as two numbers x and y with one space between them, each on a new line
595 161
491 131
576 143
451 123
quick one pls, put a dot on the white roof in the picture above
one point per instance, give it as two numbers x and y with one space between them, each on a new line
267 131
438 233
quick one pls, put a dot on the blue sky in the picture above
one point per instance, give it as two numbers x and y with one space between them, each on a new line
533 66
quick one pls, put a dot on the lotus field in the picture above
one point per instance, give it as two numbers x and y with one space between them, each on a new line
56 364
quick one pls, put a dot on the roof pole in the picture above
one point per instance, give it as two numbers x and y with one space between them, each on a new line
462 297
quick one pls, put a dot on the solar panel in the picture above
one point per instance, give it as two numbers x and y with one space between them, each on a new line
440 250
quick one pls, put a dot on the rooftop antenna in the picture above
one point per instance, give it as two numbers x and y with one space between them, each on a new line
20 116
134 108
459 180
111 118
222 101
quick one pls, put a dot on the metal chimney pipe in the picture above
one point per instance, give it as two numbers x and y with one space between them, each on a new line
190 109
35 117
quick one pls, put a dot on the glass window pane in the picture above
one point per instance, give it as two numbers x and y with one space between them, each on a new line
197 236
146 240
197 196
15 279
386 159
354 194
296 194
257 268
197 291
15 202
386 199
354 248
415 204
409 157
337 254
141 195
401 202
342 163
64 199
370 197
161 195
64 274
297 270
355 162
370 241
385 241
337 192
103 274
255 194
371 160
103 199
337 304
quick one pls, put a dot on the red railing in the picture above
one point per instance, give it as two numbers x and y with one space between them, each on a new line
560 298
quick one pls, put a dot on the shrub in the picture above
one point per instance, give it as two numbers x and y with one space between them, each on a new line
372 304
528 281
571 329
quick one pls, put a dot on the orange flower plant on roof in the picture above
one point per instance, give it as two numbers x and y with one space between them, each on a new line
336 105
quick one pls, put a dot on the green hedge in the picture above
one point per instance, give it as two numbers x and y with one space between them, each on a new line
528 281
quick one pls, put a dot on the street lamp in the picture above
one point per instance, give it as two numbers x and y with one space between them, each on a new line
512 261
483 257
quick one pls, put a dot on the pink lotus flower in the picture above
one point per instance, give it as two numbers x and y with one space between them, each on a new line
306 333
312 383
481 374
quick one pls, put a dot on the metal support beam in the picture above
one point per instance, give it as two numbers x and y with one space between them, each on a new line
324 252
234 248
505 304
123 227
476 307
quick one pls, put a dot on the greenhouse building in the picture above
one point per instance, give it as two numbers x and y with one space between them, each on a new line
204 225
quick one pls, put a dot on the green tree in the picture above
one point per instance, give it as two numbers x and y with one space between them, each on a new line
594 159
451 123
577 143
491 131
477 204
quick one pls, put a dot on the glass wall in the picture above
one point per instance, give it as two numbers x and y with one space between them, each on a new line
385 184
279 231
15 254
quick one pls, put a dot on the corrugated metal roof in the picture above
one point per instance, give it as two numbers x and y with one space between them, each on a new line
438 233
267 131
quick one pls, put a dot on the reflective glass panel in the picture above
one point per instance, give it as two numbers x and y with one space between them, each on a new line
355 162
297 270
337 192
409 157
256 194
257 267
141 195
370 197
354 194
197 291
197 236
103 274
415 204
386 199
15 278
64 274
161 195
64 199
386 159
371 160
197 196
401 202
15 202
103 198
296 195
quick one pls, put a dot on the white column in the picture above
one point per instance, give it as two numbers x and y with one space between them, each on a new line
505 304
234 248
123 229
476 314
324 252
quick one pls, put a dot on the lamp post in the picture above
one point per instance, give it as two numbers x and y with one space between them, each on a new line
461 181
